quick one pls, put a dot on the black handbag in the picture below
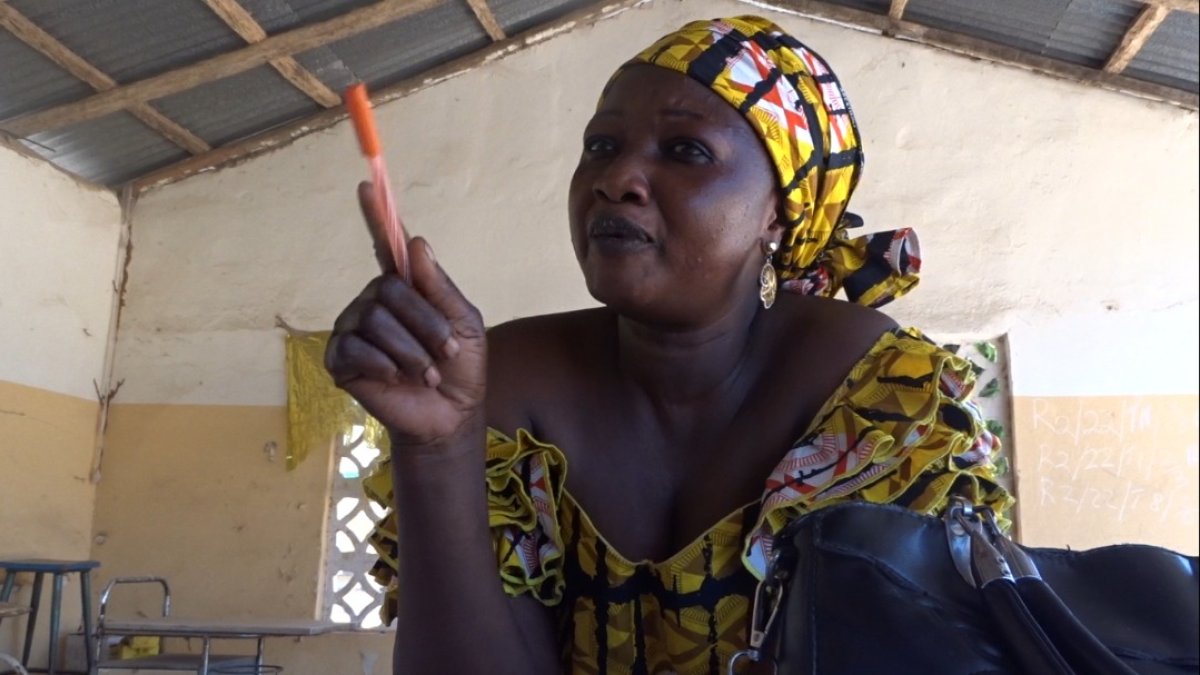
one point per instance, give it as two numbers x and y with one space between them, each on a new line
863 588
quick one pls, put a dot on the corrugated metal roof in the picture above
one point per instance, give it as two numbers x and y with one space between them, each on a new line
30 81
875 6
279 15
131 40
109 150
516 16
1083 32
381 56
276 16
224 111
398 50
1172 55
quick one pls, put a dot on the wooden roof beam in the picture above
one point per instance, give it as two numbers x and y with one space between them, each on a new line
1192 6
47 45
223 65
488 19
237 151
236 17
1139 32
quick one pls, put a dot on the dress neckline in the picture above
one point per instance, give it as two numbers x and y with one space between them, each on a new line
694 544
841 391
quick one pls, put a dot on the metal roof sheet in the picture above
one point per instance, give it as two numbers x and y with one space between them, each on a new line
1084 32
279 15
131 40
380 56
30 81
875 6
109 150
225 110
398 50
1172 54
516 16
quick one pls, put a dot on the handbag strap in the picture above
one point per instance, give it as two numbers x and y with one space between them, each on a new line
1044 635
1076 643
1028 644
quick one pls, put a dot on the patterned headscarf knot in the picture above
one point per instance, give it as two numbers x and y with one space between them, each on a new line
795 104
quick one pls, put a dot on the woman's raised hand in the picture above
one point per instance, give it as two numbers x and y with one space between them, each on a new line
414 356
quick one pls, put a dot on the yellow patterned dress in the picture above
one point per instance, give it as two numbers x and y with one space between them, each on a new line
901 429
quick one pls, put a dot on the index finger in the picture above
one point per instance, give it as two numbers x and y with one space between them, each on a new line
431 281
374 221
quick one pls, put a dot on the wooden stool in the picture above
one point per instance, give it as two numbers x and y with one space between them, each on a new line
59 568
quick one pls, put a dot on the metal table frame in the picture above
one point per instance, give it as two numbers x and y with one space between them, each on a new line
206 630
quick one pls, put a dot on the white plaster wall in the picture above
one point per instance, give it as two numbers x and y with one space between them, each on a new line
1039 201
58 250
1050 211
1117 353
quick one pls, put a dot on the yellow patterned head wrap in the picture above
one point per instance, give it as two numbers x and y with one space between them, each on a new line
795 104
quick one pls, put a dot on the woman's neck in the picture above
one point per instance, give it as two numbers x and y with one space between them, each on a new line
685 365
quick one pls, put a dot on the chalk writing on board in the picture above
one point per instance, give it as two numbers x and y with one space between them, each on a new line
1130 460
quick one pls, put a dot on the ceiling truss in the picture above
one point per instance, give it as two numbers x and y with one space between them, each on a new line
278 51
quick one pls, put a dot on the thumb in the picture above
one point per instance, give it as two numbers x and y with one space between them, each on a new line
373 216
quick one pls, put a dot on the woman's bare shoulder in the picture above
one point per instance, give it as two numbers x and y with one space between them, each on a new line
856 321
839 332
532 358
547 336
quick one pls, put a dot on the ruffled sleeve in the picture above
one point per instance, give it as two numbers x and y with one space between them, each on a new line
525 482
901 430
524 489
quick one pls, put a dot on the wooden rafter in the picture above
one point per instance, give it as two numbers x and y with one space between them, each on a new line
1147 21
601 9
236 17
269 49
29 33
1192 6
982 49
279 137
217 67
488 19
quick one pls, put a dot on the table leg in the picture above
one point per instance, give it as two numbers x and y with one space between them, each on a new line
35 602
258 659
55 619
89 638
204 656
10 579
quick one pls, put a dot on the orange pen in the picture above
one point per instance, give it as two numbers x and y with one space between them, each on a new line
359 107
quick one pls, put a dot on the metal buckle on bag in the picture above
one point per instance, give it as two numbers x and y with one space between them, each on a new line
768 596
980 551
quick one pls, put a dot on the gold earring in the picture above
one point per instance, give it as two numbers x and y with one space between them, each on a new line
768 282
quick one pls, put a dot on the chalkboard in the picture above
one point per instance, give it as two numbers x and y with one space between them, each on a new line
1100 470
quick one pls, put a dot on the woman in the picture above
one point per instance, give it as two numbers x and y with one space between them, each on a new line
697 413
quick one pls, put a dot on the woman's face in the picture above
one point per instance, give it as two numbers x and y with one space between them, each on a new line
672 200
